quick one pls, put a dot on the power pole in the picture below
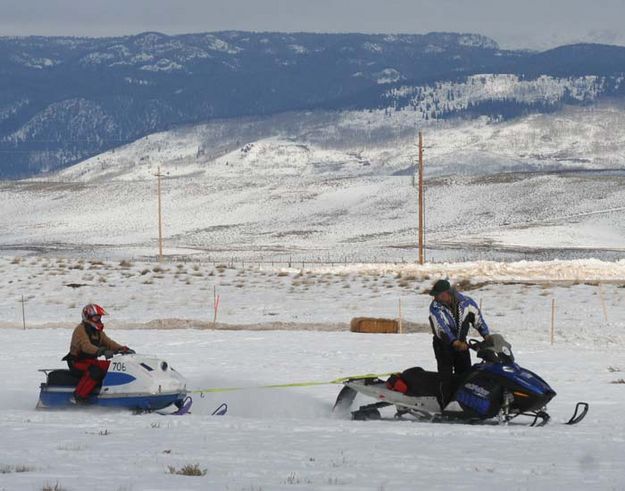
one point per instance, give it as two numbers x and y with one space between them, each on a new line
160 216
421 203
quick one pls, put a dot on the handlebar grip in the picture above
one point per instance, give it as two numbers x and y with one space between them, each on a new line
474 344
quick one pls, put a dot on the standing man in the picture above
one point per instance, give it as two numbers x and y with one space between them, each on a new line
451 316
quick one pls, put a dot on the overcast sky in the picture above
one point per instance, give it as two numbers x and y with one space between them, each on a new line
513 23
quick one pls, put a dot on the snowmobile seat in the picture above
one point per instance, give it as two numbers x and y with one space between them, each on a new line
65 378
421 382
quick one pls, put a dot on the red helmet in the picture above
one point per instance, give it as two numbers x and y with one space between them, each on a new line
92 315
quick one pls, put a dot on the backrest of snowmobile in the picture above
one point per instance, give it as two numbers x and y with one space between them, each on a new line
496 350
64 378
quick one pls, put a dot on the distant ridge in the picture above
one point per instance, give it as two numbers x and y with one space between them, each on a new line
63 99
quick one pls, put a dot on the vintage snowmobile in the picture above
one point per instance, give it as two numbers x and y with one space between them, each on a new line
136 382
495 388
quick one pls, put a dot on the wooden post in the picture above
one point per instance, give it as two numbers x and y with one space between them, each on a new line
23 313
553 321
602 300
421 210
401 324
160 217
215 306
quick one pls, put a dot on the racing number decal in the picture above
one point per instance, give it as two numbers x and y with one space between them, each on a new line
119 366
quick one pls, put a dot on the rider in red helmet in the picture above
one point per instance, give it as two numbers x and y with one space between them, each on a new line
88 343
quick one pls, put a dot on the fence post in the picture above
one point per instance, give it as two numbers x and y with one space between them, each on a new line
553 321
215 306
23 313
602 300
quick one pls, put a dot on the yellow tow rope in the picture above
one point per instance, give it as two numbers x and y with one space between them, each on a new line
341 380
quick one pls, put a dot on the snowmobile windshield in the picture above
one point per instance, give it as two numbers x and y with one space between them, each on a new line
496 350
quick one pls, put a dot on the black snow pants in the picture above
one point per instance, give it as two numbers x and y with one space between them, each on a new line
450 364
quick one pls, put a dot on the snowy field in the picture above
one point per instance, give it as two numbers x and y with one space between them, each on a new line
287 438
321 218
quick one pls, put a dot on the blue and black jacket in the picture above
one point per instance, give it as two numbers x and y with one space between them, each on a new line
451 324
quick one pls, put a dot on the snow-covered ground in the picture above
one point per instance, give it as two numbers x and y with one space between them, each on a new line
287 438
516 297
334 217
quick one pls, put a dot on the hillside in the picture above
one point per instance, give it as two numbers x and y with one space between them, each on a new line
327 186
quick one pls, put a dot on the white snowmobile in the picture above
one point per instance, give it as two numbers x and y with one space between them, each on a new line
136 382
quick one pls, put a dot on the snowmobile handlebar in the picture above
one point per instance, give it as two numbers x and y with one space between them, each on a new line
475 344
127 351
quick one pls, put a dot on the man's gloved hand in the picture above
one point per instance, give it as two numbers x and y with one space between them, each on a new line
127 351
460 345
109 353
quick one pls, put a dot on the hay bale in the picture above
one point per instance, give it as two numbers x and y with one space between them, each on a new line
372 325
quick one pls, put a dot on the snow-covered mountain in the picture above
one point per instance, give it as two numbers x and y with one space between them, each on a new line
64 99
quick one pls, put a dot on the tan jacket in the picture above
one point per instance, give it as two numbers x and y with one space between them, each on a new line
86 341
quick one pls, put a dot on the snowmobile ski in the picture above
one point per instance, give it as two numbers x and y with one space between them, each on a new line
581 410
221 410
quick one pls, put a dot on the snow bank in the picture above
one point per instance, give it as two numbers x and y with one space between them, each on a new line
581 270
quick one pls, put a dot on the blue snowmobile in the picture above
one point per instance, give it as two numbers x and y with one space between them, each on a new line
495 388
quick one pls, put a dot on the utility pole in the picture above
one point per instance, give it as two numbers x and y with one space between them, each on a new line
160 216
421 203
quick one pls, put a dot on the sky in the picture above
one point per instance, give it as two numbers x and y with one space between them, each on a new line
532 24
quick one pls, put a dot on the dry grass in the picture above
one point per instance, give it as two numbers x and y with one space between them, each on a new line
187 470
8 469
52 487
465 285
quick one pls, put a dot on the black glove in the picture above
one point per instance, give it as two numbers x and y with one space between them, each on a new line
130 351
100 351
108 354
125 350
